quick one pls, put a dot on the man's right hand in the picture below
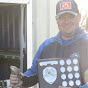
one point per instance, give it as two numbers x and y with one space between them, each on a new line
13 79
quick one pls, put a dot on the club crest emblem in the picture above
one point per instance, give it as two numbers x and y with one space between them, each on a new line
50 74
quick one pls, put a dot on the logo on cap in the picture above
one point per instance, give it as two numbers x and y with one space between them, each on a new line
65 5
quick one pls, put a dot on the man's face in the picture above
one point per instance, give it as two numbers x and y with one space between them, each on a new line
67 24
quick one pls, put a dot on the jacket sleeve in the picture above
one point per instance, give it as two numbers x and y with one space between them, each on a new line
30 76
33 69
29 81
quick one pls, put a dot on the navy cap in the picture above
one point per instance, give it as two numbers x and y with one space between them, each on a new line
66 6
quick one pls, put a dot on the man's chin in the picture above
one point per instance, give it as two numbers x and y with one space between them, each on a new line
69 35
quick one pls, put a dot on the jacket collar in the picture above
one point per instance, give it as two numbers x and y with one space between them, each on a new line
79 33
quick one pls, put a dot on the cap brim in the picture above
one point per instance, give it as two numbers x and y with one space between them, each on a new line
71 12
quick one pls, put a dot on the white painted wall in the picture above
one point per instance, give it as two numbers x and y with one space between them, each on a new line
44 23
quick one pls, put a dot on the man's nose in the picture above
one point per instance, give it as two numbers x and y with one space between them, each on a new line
66 20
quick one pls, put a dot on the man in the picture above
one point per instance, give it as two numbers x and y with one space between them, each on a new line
70 41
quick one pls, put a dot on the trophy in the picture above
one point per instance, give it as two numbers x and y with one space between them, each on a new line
55 72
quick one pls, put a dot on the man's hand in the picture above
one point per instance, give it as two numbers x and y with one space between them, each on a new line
13 80
63 87
15 77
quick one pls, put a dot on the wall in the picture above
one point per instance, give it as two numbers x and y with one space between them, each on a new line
44 23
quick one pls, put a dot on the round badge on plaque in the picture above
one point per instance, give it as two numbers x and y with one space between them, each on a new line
63 76
68 62
50 74
69 68
70 75
77 75
62 69
64 83
75 61
76 68
62 62
78 82
71 83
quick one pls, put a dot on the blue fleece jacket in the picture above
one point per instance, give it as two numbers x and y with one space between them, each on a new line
80 33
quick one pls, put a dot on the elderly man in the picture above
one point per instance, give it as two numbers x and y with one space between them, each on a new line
71 40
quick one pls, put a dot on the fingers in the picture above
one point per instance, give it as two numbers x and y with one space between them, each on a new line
13 79
22 74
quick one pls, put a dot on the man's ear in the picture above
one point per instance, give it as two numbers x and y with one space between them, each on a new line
79 16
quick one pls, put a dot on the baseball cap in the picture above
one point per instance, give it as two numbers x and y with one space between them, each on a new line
66 6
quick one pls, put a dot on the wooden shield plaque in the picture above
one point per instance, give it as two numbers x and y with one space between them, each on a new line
54 72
